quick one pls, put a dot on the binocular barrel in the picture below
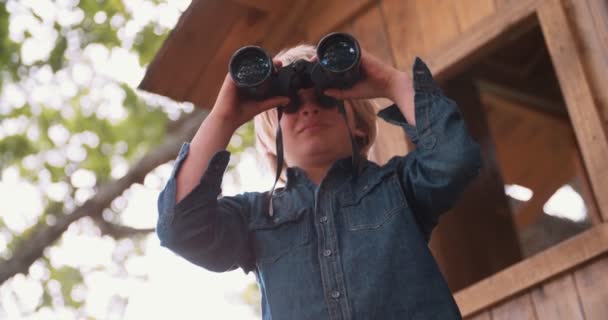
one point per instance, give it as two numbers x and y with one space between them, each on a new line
339 58
338 54
251 69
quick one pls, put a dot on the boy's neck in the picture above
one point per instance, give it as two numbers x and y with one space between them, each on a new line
316 174
316 171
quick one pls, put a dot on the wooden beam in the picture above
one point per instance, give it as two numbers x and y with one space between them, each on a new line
534 270
590 26
554 108
584 114
189 47
255 29
558 299
461 51
324 16
586 191
524 133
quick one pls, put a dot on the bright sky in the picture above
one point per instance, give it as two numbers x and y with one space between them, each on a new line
170 286
159 284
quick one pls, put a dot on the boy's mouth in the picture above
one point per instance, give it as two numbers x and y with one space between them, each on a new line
315 125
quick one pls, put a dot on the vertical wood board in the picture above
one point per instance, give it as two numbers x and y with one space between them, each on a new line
557 299
583 111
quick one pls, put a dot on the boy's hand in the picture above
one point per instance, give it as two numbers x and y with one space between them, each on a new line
236 110
379 80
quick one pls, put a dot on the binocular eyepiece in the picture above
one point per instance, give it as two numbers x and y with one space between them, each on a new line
338 55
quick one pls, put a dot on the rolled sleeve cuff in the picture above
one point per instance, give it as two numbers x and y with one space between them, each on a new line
210 183
425 88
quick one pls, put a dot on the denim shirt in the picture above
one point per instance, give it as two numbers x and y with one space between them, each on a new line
347 248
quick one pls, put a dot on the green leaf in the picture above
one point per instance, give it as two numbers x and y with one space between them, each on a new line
147 43
68 277
13 148
57 56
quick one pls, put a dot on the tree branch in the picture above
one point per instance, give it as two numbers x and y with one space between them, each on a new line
118 231
43 235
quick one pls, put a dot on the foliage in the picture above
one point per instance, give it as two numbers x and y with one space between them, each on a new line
77 119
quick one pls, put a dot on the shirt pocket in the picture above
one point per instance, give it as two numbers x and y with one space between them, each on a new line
369 205
279 235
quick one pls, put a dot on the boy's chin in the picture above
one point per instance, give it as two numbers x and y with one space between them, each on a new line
321 150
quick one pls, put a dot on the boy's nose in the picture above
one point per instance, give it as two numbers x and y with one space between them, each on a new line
309 108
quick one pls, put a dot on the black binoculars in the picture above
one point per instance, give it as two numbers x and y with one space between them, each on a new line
338 55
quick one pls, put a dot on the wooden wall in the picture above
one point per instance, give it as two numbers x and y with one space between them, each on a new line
578 294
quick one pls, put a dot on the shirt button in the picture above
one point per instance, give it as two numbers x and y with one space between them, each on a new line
323 219
327 253
365 187
276 220
335 294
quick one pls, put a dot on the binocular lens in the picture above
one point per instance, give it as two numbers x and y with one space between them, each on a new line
338 53
250 66
338 56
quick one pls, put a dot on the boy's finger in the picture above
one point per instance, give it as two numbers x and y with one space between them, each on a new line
274 102
336 93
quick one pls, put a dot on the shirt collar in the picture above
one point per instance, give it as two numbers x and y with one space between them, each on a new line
343 166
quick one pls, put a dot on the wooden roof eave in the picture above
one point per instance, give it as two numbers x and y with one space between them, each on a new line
191 64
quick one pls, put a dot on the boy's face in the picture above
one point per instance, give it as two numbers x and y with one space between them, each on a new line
316 136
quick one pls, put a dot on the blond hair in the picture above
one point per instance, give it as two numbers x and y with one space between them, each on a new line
265 123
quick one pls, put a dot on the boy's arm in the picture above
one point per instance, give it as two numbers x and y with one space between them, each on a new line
192 221
205 230
445 159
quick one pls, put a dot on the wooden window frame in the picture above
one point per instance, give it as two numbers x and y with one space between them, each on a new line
586 122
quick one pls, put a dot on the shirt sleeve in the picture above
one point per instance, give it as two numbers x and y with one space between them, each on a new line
204 228
446 158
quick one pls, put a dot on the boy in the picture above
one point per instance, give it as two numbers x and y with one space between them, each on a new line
335 247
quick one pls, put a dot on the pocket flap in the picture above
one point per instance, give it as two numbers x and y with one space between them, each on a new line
353 193
279 218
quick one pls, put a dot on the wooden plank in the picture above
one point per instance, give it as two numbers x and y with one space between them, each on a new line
404 31
584 114
469 12
461 51
370 30
592 285
480 316
519 308
189 47
287 29
590 25
557 300
534 270
437 22
501 4
586 192
512 124
324 16
252 30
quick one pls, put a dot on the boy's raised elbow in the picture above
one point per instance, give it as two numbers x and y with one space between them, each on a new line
469 162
